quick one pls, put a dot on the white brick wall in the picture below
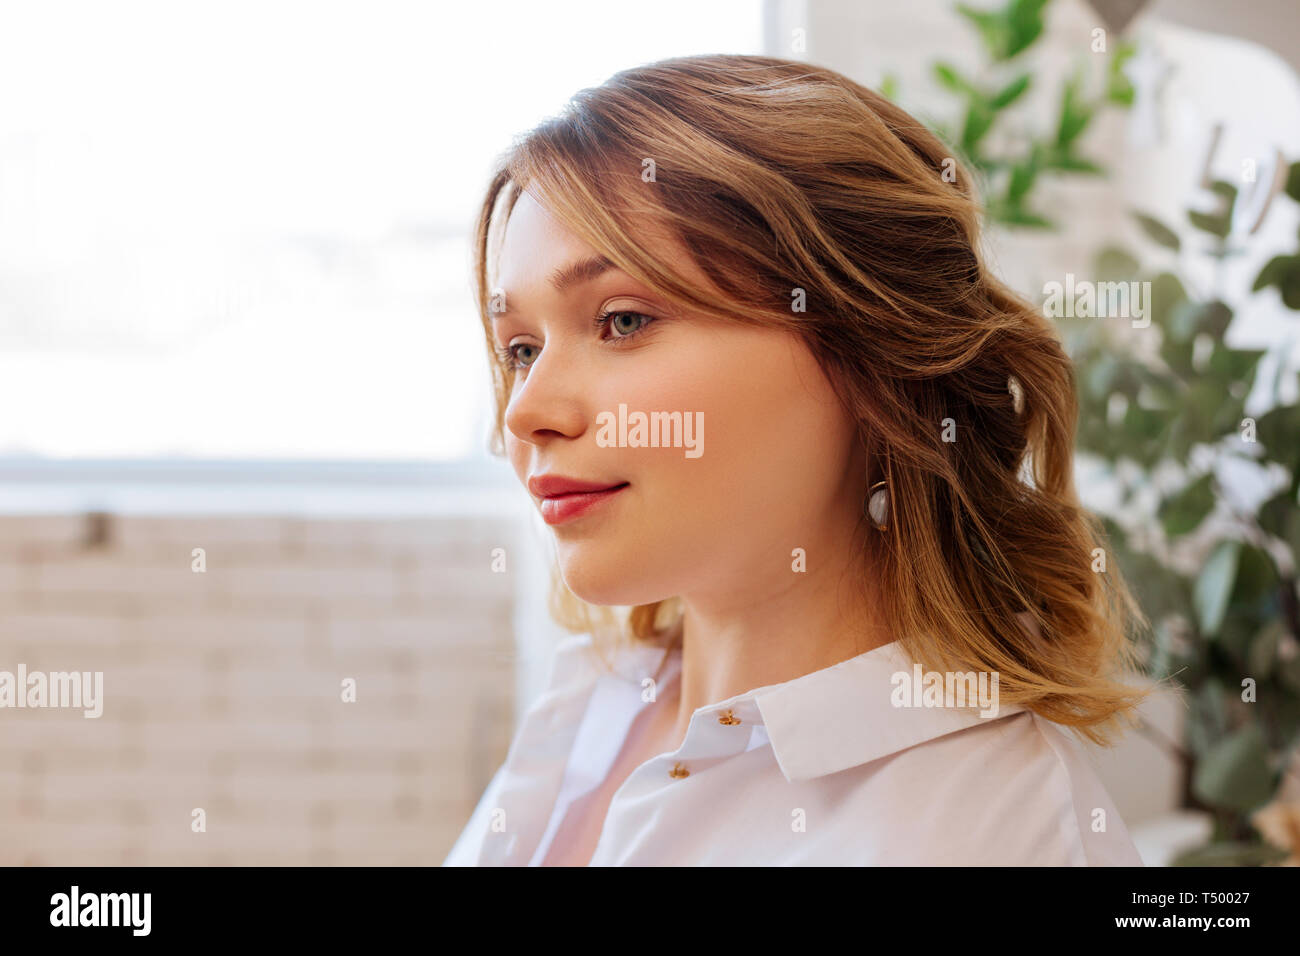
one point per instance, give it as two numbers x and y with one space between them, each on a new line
222 688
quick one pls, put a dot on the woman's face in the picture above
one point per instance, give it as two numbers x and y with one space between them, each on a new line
765 460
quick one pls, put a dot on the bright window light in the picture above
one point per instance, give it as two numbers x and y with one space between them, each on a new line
242 230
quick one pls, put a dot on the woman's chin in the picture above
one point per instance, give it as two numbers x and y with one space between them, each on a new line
602 589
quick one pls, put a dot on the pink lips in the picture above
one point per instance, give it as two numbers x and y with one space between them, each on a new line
564 499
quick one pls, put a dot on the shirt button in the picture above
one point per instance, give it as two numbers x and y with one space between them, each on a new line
728 718
678 772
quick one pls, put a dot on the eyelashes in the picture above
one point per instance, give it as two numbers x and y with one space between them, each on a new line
509 355
506 356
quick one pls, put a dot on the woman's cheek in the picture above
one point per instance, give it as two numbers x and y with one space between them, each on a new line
517 455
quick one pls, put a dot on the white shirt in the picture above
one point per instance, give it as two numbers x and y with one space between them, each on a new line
822 770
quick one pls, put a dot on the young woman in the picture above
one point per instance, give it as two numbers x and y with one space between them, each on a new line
807 467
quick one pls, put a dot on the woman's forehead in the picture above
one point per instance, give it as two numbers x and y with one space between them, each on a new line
533 244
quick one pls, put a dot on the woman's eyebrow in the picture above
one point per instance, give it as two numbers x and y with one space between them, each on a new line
578 272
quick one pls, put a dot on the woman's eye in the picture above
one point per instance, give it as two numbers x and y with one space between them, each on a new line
620 322
517 356
624 324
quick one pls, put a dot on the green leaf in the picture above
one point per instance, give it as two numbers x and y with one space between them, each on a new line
1189 319
1157 231
1291 288
1293 181
1235 772
1225 189
948 76
1010 93
1145 425
1271 274
1114 264
1119 89
1276 430
1276 271
1008 31
1235 366
993 29
1178 354
1022 178
1274 512
1215 225
1214 585
1166 293
1257 580
1210 409
1219 222
1184 511
889 86
1025 24
979 118
1074 117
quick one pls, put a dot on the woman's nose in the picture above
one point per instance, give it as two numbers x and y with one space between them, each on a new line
548 400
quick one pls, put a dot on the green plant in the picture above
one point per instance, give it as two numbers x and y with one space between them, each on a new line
1010 174
1229 632
1284 271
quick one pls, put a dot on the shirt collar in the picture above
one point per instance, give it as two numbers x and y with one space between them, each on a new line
840 716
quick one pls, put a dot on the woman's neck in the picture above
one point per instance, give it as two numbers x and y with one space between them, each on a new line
729 648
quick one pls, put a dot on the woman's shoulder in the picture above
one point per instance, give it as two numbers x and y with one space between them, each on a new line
1015 791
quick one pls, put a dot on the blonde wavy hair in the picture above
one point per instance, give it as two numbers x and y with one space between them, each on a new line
789 176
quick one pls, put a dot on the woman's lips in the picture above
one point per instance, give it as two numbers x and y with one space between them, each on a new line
557 509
